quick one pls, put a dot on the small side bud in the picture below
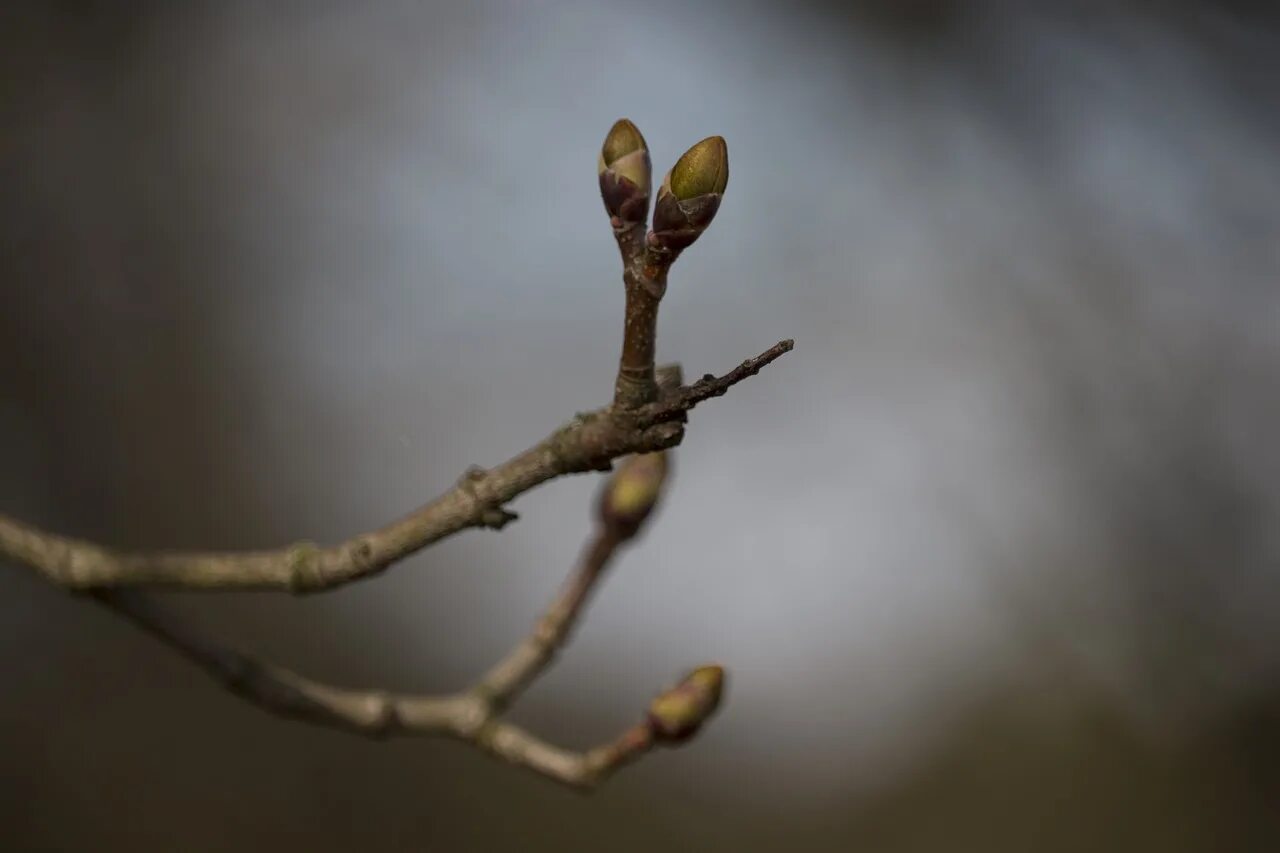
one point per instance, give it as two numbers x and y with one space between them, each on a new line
678 713
625 174
632 492
690 195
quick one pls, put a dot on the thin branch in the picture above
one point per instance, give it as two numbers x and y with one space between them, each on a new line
684 398
583 770
510 676
646 282
589 442
287 694
472 716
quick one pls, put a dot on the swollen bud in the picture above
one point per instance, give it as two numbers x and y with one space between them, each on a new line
679 712
702 169
690 195
632 492
625 176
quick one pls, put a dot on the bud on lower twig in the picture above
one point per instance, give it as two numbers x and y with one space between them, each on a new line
632 492
625 174
679 712
690 195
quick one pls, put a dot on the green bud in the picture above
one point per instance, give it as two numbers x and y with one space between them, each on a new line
632 492
625 174
679 712
690 195
623 139
702 169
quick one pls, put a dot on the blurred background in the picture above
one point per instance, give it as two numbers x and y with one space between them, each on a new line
993 557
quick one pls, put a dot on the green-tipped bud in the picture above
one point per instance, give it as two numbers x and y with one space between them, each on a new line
702 169
679 712
690 195
625 174
632 492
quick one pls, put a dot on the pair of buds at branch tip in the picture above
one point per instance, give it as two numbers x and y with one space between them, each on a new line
687 200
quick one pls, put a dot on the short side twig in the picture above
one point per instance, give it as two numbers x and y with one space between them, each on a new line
684 398
504 682
472 716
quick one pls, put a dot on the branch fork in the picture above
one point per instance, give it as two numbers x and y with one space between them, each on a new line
644 420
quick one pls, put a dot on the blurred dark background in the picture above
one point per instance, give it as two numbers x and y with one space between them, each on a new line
993 557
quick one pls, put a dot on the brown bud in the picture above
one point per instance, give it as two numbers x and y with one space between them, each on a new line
625 173
679 712
632 492
690 195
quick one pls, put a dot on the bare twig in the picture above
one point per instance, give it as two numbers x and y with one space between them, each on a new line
504 682
589 442
288 694
684 398
645 278
472 716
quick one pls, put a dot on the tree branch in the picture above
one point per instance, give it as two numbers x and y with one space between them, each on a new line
589 442
510 676
287 694
645 278
472 716
646 417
